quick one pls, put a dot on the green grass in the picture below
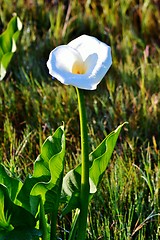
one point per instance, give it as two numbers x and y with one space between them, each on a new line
32 105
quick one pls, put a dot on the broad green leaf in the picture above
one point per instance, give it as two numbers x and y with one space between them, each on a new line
47 175
51 162
52 146
73 202
13 185
5 60
99 160
71 190
10 35
8 41
24 194
4 221
12 214
101 156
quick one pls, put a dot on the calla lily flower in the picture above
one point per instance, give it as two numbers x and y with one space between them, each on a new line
82 63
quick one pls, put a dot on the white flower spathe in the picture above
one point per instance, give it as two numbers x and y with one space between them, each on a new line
82 63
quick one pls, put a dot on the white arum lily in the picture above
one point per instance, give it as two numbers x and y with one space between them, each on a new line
81 63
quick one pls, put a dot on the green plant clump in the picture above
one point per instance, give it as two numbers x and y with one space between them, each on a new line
33 106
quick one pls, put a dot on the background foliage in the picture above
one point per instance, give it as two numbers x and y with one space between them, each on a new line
32 105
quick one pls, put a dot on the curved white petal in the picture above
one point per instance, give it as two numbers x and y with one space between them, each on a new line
63 58
82 63
88 47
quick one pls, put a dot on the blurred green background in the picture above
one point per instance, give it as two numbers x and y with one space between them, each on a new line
32 105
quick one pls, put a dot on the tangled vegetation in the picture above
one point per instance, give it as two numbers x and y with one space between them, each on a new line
32 105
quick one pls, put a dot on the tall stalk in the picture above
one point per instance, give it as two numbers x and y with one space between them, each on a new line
84 194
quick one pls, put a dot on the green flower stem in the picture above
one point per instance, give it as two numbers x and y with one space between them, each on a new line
84 194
